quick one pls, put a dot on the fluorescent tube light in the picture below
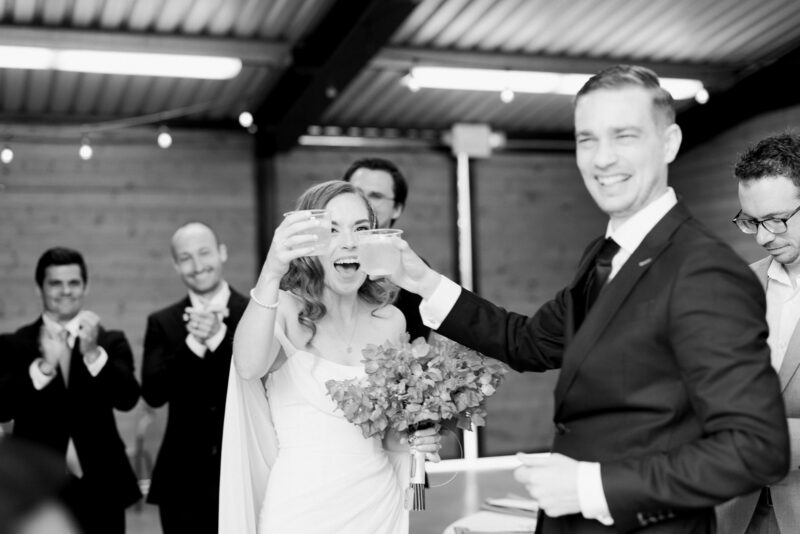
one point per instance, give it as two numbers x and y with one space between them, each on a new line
126 63
524 81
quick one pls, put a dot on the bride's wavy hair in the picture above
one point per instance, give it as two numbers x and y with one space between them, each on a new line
306 277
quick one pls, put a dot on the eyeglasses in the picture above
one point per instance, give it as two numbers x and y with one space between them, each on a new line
773 225
373 196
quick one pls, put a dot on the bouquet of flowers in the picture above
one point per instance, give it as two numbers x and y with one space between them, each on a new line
412 385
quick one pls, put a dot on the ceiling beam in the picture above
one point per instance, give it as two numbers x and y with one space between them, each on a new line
403 58
323 64
768 88
251 51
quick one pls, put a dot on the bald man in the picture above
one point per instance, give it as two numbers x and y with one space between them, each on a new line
187 355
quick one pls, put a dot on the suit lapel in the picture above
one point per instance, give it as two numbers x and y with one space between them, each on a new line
791 359
613 297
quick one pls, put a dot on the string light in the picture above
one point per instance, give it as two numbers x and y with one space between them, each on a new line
507 95
164 138
245 119
6 155
85 151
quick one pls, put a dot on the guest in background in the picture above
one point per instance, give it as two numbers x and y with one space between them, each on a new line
61 378
666 403
187 356
387 189
32 481
769 195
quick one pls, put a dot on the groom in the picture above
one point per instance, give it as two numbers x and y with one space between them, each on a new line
666 403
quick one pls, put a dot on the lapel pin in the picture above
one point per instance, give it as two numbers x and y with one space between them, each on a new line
645 262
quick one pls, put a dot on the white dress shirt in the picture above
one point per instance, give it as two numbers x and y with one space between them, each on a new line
628 236
217 304
783 310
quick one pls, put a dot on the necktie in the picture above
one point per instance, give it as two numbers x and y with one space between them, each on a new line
598 276
64 362
73 463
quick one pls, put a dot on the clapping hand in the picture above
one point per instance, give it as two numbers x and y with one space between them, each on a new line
552 480
202 324
88 330
52 346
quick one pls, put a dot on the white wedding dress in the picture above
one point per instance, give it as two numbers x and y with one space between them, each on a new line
325 477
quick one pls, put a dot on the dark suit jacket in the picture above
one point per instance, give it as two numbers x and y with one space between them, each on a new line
667 382
83 411
408 304
187 467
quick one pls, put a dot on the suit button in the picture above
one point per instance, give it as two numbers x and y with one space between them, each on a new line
561 429
214 450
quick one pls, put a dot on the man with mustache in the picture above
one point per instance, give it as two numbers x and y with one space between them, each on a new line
187 356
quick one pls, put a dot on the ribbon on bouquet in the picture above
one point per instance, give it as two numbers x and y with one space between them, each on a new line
415 495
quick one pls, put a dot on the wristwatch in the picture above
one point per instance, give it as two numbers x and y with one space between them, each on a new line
46 367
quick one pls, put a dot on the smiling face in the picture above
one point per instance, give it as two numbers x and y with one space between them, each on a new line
378 186
198 258
62 291
349 214
773 197
623 149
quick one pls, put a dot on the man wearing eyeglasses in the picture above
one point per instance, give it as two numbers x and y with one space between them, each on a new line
386 189
769 194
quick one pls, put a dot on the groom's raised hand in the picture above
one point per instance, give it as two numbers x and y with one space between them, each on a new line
413 274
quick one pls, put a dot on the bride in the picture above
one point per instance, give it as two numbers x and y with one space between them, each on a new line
296 465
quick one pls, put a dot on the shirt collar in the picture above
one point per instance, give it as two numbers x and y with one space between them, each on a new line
218 302
778 273
633 231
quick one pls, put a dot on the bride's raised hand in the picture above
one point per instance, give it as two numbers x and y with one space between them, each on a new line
292 239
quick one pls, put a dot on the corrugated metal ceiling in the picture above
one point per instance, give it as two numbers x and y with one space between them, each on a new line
718 41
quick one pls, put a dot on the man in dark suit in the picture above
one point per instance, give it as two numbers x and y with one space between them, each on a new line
666 403
387 189
187 356
61 378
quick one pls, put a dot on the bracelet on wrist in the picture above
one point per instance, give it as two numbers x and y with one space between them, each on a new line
272 306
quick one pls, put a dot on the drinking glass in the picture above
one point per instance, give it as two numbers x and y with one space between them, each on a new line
322 231
377 252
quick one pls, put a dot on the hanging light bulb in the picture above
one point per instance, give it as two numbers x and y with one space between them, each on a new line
164 138
6 155
85 151
507 95
245 119
702 96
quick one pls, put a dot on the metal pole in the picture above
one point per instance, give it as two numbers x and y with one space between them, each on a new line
464 225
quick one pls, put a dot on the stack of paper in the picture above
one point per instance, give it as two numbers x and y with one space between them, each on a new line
512 505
